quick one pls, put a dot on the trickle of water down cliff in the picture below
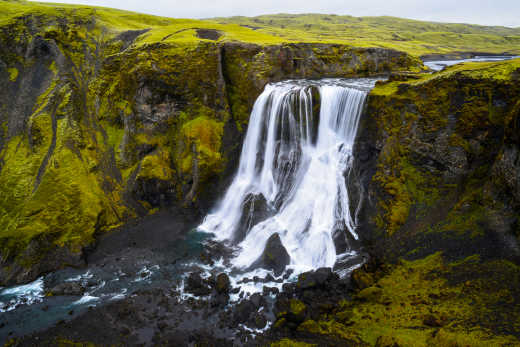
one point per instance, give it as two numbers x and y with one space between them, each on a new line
291 184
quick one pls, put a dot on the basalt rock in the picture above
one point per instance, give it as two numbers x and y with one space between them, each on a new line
275 256
318 278
255 210
69 288
197 285
222 284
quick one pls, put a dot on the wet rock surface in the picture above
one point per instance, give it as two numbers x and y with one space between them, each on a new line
71 288
275 256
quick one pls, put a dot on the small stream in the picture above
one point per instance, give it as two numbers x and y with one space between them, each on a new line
100 283
438 65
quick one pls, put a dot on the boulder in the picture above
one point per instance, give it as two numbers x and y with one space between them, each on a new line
68 288
275 256
316 278
196 285
255 210
259 321
222 284
219 299
243 311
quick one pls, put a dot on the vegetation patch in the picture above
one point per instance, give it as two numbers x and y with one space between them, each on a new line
421 303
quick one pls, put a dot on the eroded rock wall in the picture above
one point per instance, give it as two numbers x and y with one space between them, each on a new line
439 160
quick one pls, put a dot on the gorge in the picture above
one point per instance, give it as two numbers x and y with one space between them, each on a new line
219 182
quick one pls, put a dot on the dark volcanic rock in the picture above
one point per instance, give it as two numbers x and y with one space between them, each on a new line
275 256
315 278
196 285
255 210
222 284
243 311
260 321
68 288
219 299
209 34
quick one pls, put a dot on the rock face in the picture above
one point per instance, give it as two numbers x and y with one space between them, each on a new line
100 125
275 256
438 162
255 210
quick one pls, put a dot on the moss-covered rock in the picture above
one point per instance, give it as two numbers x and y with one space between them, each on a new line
428 297
438 147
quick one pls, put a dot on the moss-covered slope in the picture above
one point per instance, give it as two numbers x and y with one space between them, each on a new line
107 115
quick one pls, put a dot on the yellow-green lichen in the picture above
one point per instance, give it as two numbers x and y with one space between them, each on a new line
13 74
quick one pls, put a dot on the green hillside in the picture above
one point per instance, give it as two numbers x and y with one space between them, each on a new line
112 21
413 36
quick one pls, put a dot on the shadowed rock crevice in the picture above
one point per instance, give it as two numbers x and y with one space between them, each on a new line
208 34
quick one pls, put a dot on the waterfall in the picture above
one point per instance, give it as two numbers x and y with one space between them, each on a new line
294 164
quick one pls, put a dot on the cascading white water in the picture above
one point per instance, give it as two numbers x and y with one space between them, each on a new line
298 162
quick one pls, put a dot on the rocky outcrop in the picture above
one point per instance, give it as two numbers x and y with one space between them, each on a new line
274 256
440 164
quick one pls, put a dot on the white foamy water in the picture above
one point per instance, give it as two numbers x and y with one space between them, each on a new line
11 298
298 161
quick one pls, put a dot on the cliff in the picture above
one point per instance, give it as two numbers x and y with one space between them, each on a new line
437 166
109 115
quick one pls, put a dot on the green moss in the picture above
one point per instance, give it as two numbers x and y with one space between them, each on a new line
13 74
156 166
406 185
414 299
330 328
406 113
291 343
416 37
202 136
498 71
411 36
62 342
297 307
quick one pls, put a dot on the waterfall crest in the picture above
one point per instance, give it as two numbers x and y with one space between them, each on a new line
294 163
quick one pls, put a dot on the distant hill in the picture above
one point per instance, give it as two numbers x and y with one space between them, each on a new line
413 36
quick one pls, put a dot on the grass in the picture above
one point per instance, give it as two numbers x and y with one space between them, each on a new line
412 36
113 22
